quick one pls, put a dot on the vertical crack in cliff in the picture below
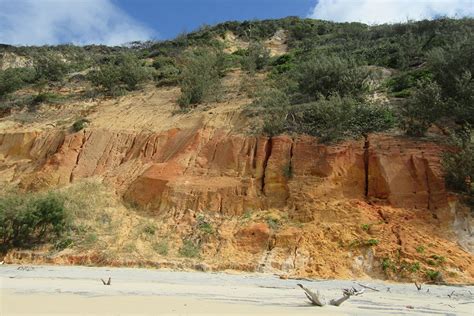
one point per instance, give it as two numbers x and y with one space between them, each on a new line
427 179
295 252
79 154
268 152
366 165
290 170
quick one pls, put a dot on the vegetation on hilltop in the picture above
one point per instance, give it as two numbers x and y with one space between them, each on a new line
327 83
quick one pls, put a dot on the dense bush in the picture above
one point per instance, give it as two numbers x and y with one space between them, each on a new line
459 169
423 108
27 220
256 57
331 119
50 67
327 75
122 71
200 76
13 79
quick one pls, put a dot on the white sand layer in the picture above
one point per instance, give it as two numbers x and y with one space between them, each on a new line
67 290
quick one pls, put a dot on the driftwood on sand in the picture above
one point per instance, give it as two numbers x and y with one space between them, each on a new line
108 281
317 300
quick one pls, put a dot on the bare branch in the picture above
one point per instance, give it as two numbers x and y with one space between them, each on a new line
368 287
314 298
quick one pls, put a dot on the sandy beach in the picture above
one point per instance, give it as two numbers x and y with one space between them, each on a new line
71 290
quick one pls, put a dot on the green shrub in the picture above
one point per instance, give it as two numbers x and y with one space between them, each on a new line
420 249
458 168
13 79
334 119
200 77
372 242
121 71
204 225
365 227
434 275
256 57
423 109
50 67
161 247
323 76
80 124
27 220
189 249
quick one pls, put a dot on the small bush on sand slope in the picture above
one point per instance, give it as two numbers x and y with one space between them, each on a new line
122 71
200 77
30 219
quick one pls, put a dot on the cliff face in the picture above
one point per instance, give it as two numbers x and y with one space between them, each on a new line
329 200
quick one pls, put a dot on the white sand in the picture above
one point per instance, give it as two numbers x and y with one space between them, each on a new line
78 290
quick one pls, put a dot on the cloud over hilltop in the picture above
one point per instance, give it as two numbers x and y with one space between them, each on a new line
39 22
389 11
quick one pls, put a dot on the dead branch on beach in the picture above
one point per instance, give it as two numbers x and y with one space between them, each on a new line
368 287
418 286
314 298
108 281
317 300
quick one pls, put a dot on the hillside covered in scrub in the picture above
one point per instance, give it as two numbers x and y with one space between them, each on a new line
295 146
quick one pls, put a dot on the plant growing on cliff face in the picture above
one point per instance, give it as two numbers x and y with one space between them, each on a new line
189 249
365 227
372 242
80 124
434 275
204 225
420 249
161 247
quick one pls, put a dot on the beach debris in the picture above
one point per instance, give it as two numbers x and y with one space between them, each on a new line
315 298
410 307
418 286
450 295
2 262
318 300
108 281
25 268
368 287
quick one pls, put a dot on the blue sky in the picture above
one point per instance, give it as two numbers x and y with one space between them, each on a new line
115 22
171 17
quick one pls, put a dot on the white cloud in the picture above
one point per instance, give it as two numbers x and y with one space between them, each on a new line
39 22
389 11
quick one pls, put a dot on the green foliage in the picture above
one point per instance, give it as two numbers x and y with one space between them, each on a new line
27 220
204 225
189 249
387 264
420 249
366 227
119 72
434 275
256 57
333 119
288 171
372 242
423 109
322 76
13 79
149 229
80 124
200 77
161 247
50 67
273 223
459 169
